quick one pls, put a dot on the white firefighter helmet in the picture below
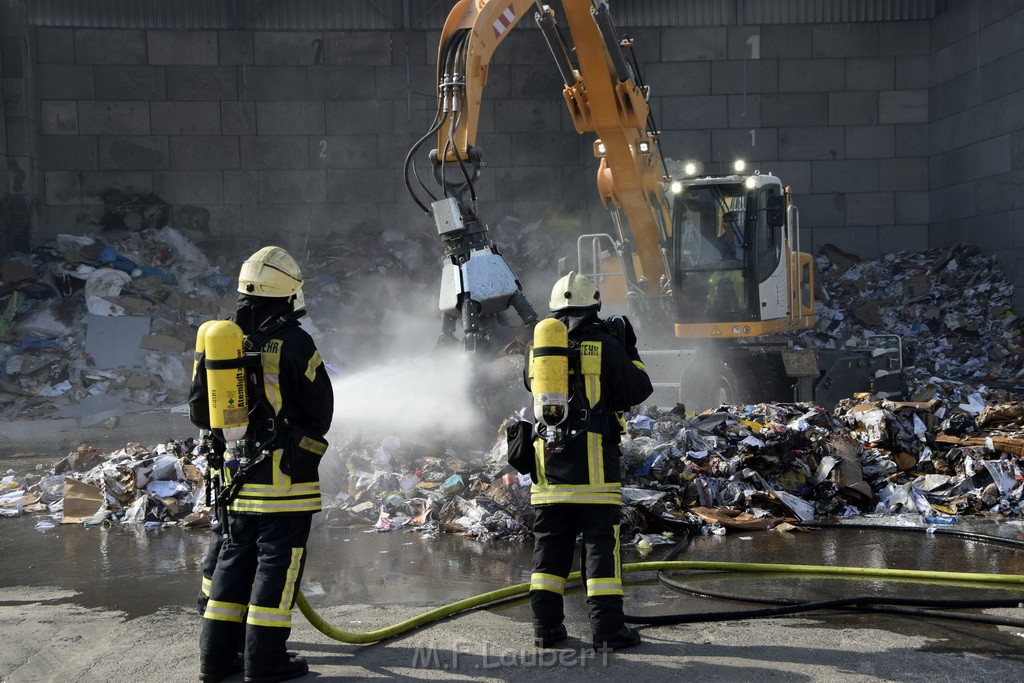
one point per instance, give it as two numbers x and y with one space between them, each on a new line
270 272
574 291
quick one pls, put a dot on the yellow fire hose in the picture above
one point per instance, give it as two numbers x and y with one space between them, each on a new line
1006 580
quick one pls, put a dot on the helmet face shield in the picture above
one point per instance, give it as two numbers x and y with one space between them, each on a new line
574 291
270 272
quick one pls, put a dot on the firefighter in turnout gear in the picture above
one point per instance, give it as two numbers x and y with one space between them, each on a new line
269 483
576 487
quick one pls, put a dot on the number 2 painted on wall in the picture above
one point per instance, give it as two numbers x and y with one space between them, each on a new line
323 149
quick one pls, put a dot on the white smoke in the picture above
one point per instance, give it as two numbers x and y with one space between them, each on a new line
409 395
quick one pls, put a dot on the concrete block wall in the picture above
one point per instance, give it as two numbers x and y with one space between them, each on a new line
976 132
839 112
893 135
17 131
248 137
299 137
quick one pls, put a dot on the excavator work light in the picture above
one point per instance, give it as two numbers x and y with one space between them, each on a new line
644 147
692 168
599 148
675 187
739 165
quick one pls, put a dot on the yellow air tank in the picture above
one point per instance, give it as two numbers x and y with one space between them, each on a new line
225 378
550 372
200 345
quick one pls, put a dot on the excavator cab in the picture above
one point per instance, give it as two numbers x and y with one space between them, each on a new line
734 263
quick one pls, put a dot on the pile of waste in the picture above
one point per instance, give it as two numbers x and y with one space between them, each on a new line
394 484
757 466
952 308
762 466
86 317
133 485
742 467
115 314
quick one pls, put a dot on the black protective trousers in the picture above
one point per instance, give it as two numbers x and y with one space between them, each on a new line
210 563
555 529
255 579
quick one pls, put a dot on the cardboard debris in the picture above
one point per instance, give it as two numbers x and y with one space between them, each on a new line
14 273
115 341
163 342
733 519
81 501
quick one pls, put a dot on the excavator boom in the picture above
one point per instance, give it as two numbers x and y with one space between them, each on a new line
603 97
712 259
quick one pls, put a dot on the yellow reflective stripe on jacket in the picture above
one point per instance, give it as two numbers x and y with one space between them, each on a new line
538 460
291 579
595 457
640 364
269 616
252 506
224 611
312 445
279 478
599 494
547 582
269 498
307 489
311 367
207 586
271 356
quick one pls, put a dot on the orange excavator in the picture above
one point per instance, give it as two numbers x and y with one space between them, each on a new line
707 266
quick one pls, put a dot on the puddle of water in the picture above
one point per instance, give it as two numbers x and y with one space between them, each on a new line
139 570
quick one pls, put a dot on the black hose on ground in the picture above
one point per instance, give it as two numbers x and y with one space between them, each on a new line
892 605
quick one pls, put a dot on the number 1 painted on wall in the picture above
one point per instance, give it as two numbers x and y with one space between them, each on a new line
754 42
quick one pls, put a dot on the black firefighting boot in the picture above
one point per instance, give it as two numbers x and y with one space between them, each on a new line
546 637
608 625
623 638
294 667
210 675
548 615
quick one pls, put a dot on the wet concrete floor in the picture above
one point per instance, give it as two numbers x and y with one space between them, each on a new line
140 570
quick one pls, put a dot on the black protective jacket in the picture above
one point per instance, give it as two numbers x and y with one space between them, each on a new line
291 421
607 379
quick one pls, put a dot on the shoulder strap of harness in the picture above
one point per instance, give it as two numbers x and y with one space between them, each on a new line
582 416
264 428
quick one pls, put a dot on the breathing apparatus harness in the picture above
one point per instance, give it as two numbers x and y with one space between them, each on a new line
561 416
262 429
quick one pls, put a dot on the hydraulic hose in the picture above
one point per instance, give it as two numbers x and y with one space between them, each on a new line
503 594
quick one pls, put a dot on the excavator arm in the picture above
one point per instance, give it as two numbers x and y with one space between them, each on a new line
603 97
